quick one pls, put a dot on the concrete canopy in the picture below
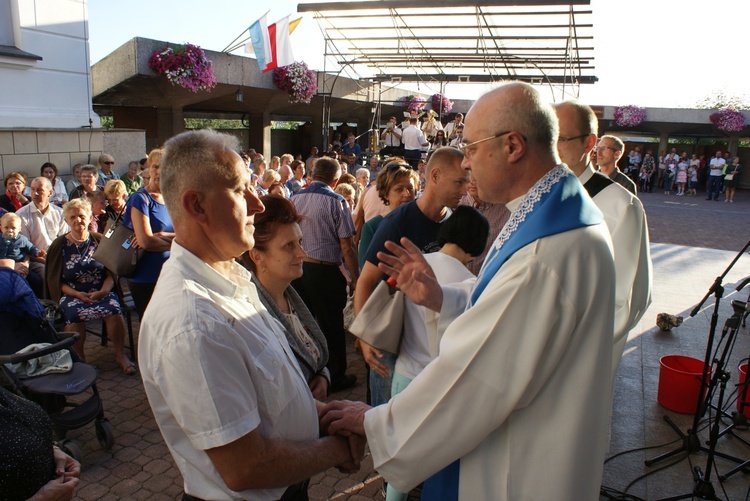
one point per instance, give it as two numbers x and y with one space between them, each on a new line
126 88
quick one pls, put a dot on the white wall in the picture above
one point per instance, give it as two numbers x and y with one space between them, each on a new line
54 92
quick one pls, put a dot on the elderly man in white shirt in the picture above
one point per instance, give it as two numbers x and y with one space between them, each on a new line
221 379
41 222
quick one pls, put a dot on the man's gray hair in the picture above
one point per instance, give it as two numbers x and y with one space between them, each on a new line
193 160
46 183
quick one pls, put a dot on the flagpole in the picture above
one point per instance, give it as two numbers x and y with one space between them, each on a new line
238 36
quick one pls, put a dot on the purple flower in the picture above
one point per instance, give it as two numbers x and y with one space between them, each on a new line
728 120
298 80
437 100
186 66
629 116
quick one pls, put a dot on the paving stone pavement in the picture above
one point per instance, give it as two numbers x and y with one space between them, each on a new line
140 467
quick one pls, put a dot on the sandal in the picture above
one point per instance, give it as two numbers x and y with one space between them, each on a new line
129 369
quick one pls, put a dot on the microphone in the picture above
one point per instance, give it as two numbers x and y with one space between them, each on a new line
743 284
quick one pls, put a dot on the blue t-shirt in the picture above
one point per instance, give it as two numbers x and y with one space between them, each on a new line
406 221
356 149
150 264
17 249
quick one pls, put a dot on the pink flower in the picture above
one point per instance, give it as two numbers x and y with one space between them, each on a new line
447 105
298 80
629 116
728 120
186 66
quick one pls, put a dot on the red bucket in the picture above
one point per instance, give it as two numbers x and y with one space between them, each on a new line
743 392
680 383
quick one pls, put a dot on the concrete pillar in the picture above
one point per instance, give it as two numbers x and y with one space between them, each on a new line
663 144
255 131
169 122
734 143
266 121
316 121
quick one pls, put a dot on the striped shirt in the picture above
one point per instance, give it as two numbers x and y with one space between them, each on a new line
326 220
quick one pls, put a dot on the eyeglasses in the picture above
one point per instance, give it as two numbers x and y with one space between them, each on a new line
393 167
468 148
108 163
562 139
610 148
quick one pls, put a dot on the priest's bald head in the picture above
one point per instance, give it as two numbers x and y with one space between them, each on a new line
509 141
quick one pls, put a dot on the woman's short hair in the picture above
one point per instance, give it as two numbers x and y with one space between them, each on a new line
48 165
275 162
77 203
347 178
288 157
96 196
154 158
296 164
90 168
270 176
344 189
279 212
15 175
105 157
392 173
257 163
115 188
467 228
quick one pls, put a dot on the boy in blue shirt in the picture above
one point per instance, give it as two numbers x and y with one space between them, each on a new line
17 247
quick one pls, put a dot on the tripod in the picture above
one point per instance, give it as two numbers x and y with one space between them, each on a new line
691 443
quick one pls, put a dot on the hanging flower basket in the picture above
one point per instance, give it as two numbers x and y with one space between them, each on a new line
412 102
439 99
296 79
184 65
629 116
728 120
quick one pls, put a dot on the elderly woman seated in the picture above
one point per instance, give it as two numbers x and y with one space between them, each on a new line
275 261
82 285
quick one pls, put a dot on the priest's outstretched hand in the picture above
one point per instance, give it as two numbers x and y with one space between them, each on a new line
411 273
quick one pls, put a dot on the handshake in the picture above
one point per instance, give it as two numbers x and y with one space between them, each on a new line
345 419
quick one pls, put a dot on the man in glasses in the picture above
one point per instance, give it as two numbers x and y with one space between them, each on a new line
526 349
608 153
623 213
106 163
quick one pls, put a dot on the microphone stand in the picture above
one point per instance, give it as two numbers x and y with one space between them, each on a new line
690 441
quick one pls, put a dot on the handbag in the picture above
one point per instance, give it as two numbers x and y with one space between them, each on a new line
116 251
729 177
380 322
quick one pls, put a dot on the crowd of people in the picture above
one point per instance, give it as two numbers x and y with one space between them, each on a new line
249 262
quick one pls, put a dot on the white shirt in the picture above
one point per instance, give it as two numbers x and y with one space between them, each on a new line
717 166
626 221
413 138
419 344
40 228
216 366
520 391
451 127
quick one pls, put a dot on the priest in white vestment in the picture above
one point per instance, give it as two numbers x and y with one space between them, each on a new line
516 404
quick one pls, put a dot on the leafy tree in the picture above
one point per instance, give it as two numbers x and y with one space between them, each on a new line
722 99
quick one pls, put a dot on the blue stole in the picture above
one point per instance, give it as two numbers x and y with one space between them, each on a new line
555 204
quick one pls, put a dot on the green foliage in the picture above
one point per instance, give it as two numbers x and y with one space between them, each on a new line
213 123
107 122
285 125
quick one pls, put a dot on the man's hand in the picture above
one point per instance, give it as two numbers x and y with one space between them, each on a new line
344 417
319 387
413 275
22 269
372 357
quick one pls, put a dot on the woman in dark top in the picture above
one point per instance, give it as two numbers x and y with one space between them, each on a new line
276 260
31 467
13 198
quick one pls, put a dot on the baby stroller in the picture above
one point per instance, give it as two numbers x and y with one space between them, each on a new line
24 321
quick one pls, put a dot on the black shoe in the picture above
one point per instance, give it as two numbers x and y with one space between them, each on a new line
344 382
